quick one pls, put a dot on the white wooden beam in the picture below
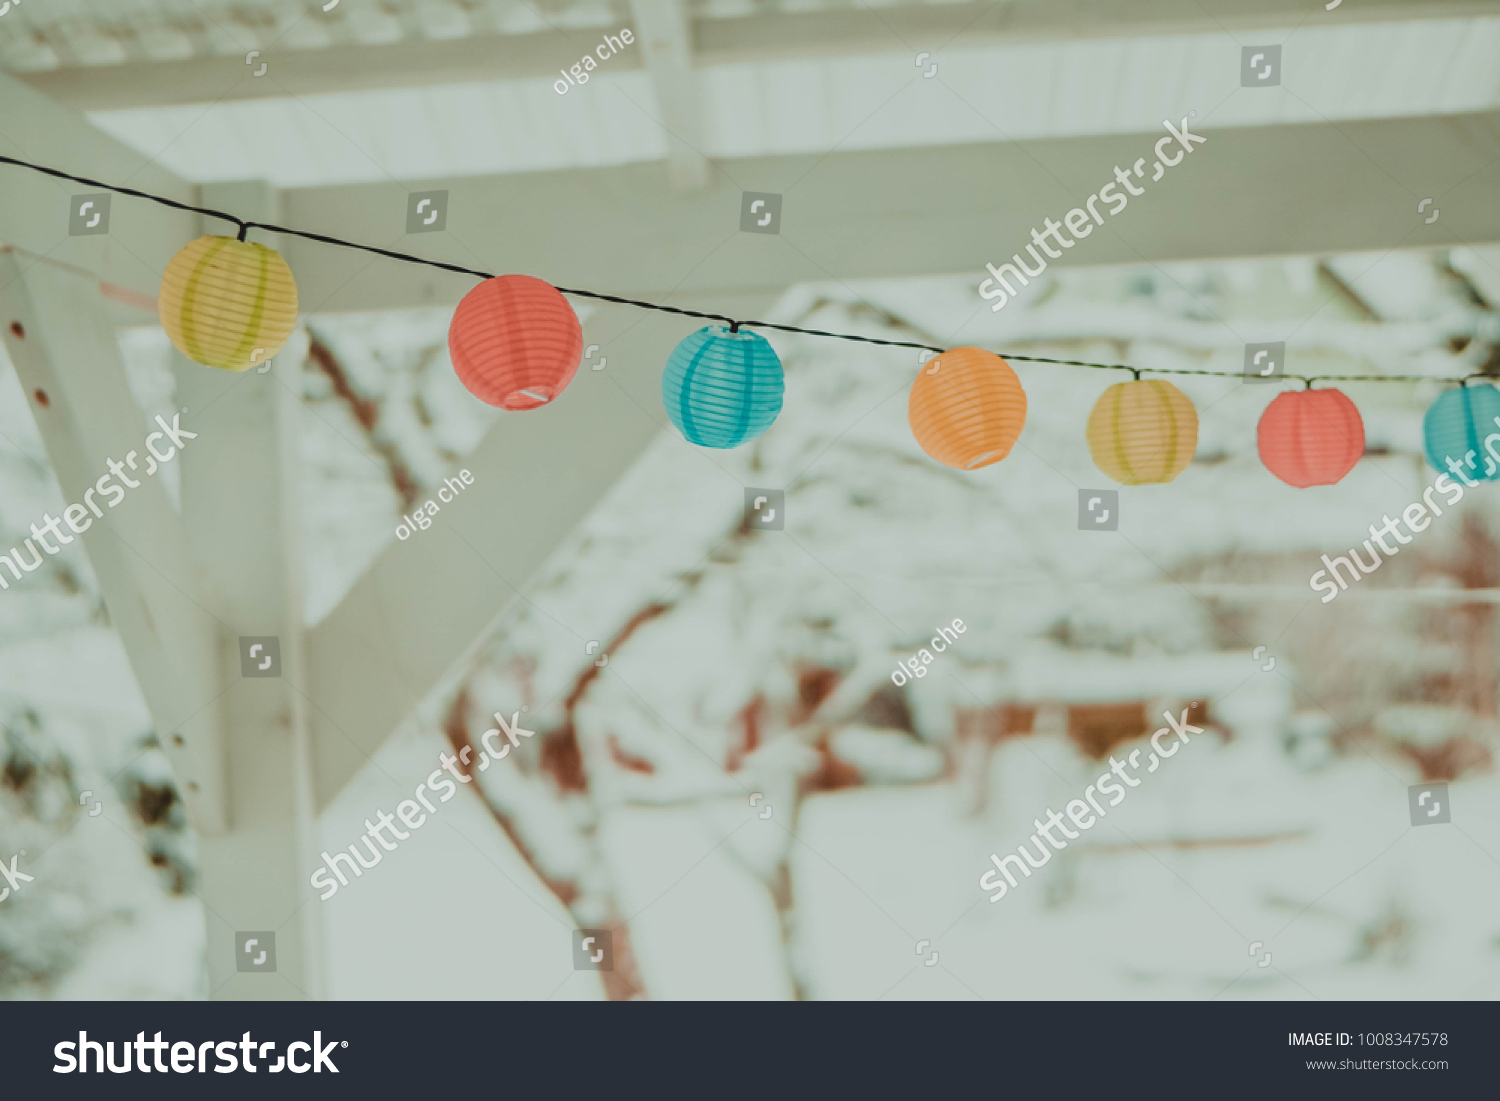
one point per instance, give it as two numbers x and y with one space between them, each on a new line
666 46
416 615
768 34
240 502
142 236
754 37
63 346
1303 189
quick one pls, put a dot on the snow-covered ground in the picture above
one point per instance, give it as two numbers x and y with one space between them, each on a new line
765 673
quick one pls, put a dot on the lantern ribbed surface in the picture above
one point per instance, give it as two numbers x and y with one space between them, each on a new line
966 408
515 342
1310 437
228 304
1143 432
721 388
1458 423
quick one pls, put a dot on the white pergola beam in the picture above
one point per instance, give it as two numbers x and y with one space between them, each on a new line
482 57
422 608
967 25
34 208
1314 188
666 46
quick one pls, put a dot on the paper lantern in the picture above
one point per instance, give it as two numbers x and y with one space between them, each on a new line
515 342
1458 425
227 303
722 388
1143 432
966 408
1310 437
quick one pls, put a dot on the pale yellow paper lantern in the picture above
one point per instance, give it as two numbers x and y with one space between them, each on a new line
1143 432
227 303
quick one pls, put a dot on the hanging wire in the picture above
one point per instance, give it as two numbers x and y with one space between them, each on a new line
121 190
734 325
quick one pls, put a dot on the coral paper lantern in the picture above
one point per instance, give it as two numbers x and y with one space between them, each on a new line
227 303
1458 425
515 342
966 408
1143 432
722 388
1310 437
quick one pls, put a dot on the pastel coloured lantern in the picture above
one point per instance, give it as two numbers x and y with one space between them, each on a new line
1310 437
515 342
1143 432
722 388
1455 432
227 303
966 408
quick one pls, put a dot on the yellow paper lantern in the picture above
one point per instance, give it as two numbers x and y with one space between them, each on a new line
966 408
227 303
1143 432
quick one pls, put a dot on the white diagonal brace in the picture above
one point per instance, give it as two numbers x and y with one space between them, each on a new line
64 350
414 617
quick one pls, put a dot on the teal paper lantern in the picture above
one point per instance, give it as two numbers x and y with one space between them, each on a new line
1460 422
722 389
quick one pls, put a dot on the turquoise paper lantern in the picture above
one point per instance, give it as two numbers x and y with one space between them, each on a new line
1459 422
722 389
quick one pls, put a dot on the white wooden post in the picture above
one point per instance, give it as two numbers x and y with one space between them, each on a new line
239 498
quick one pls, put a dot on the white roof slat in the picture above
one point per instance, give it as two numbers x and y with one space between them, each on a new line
1015 92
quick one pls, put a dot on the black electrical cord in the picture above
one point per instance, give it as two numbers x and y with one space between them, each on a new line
734 325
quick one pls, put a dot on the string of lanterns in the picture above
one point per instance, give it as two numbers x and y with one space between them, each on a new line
516 342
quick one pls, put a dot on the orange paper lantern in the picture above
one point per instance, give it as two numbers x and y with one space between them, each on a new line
966 408
515 342
1143 432
1311 437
